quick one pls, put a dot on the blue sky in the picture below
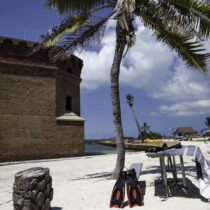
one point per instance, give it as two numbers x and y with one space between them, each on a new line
167 93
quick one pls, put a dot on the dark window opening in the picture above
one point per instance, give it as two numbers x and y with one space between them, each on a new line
68 104
69 70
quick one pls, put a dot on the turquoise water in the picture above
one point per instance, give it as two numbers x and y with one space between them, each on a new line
98 149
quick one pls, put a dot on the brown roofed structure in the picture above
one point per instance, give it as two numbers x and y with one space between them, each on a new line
184 131
187 130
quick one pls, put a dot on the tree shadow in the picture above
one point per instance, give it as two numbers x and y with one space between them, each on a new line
189 170
177 190
151 170
102 175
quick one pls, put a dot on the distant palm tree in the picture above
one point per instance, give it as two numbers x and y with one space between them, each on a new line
130 99
174 22
207 122
146 127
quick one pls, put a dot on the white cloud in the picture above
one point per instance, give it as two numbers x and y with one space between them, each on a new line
153 114
151 66
146 63
96 70
191 108
185 84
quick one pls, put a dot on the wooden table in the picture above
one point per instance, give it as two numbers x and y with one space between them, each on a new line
172 165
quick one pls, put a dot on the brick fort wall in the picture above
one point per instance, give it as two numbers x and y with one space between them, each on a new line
32 95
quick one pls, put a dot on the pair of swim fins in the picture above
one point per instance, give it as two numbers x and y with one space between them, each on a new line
164 147
133 190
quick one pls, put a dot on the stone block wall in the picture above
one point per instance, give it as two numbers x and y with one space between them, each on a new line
36 137
32 95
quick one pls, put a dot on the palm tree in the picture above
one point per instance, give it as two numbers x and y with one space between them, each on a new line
207 122
146 127
174 22
130 99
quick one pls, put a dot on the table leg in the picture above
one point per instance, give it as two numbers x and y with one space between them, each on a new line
174 164
164 175
161 169
168 164
183 175
173 169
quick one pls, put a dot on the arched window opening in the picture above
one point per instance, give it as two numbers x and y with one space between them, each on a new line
69 70
68 104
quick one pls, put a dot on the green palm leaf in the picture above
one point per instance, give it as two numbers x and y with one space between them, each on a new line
189 51
93 28
77 6
68 24
198 12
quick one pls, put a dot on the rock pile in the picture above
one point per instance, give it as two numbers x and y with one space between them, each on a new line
32 189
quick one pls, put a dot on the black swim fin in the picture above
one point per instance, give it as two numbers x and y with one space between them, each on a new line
118 193
133 190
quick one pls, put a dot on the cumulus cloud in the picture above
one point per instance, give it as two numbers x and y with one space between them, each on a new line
146 63
185 108
185 84
97 64
150 66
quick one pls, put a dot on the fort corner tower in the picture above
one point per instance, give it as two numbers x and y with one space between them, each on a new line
39 102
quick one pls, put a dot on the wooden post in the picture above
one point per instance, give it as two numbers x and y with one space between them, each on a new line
183 175
32 189
164 175
173 170
168 164
161 168
174 163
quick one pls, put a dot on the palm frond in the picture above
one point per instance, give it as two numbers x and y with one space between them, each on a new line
130 99
68 24
92 29
77 6
190 51
168 15
197 11
124 15
207 122
174 20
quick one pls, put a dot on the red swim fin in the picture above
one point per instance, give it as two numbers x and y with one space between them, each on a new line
135 197
118 193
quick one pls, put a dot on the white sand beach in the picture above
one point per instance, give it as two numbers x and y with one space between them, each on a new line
81 182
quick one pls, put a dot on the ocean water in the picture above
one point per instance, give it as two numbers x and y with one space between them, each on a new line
98 149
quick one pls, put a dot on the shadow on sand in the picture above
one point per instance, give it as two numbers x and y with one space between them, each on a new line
55 208
176 190
102 175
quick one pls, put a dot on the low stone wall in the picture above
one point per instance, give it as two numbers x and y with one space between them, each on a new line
32 189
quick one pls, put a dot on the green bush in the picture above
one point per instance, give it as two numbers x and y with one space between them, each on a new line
152 135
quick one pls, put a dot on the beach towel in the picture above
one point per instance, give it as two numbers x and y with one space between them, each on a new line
202 166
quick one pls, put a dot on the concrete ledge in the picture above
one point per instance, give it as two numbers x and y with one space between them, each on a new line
70 119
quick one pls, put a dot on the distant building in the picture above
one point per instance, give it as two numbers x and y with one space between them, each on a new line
184 131
39 102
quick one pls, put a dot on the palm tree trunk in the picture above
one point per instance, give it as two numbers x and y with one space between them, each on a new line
137 124
115 72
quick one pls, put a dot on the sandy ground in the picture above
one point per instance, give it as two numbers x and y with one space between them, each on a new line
81 182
